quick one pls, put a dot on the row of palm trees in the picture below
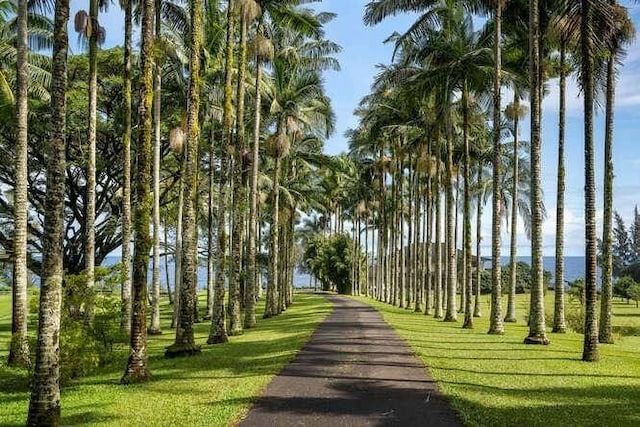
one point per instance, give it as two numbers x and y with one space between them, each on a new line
254 119
424 137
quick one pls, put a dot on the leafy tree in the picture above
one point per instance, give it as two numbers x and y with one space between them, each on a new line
634 293
622 246
635 236
622 287
332 260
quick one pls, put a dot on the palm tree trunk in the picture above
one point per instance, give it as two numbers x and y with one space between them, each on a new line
125 290
185 340
438 250
559 325
451 314
496 326
239 190
604 334
590 349
417 272
218 331
166 261
250 295
177 283
271 307
19 349
467 287
155 329
511 302
90 216
137 367
477 312
210 225
428 225
537 330
44 404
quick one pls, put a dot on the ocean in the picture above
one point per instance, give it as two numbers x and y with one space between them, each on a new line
573 266
573 269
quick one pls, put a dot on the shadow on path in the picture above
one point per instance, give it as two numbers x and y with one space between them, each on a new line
355 371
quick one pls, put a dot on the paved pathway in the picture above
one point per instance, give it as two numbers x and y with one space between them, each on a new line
355 371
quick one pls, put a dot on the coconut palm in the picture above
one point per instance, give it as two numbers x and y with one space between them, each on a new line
137 366
125 289
86 24
19 349
537 329
185 340
622 33
298 105
44 404
514 112
218 331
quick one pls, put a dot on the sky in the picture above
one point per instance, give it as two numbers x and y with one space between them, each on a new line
363 49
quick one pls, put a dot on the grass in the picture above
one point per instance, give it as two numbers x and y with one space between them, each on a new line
214 388
498 381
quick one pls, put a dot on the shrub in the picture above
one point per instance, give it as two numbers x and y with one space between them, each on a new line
574 317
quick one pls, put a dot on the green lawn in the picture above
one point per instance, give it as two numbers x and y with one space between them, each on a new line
212 389
498 381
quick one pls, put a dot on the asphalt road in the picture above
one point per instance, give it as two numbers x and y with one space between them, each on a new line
355 371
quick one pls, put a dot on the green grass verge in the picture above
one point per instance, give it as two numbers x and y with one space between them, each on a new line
499 381
212 389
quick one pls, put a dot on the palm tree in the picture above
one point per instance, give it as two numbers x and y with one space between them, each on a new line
125 290
559 324
514 112
87 25
19 350
185 340
248 10
622 33
44 404
495 320
537 330
137 366
587 40
154 328
218 330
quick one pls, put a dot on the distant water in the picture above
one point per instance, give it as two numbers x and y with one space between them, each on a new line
573 266
299 279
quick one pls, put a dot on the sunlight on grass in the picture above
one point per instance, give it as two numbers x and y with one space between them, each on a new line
213 389
498 381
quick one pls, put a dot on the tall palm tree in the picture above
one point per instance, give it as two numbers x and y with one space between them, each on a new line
44 404
514 113
185 339
19 349
154 328
137 366
125 290
495 319
88 27
537 329
622 33
248 11
590 351
218 331
559 323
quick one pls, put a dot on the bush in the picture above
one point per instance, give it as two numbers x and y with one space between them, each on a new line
87 343
574 317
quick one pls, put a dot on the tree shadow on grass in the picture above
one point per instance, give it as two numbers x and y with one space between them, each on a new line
87 417
553 406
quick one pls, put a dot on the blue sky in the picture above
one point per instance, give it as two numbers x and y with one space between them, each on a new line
363 49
